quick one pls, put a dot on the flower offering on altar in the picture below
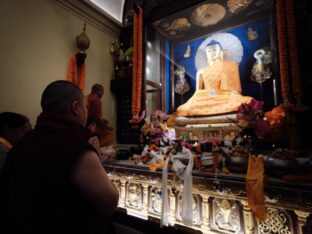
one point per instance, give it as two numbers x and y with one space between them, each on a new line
155 130
250 118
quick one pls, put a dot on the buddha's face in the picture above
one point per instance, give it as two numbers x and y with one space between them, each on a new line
213 52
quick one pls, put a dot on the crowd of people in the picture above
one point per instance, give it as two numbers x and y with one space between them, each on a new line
51 176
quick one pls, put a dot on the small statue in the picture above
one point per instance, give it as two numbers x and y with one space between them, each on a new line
252 34
115 46
261 70
181 86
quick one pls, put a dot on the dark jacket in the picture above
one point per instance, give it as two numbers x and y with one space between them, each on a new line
36 194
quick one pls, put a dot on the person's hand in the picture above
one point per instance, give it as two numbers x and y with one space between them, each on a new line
94 141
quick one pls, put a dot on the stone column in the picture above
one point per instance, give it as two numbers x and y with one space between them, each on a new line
145 200
248 218
302 219
206 217
172 207
122 195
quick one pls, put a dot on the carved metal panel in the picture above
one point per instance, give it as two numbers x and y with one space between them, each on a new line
134 195
155 197
197 209
226 216
278 222
215 212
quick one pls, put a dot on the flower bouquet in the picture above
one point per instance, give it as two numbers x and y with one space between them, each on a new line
155 130
253 128
252 123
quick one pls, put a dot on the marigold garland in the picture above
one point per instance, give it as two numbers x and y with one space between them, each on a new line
140 58
282 45
137 62
288 50
74 74
134 63
293 49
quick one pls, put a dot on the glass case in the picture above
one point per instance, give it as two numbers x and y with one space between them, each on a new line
179 40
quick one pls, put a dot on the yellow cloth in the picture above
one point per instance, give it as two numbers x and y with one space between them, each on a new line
255 187
221 93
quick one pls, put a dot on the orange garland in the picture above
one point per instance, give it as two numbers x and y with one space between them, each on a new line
137 62
140 58
282 45
289 69
293 49
76 75
134 63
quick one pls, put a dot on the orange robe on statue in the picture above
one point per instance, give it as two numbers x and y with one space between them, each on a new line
221 93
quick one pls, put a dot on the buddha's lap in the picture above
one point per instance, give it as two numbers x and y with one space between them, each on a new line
203 103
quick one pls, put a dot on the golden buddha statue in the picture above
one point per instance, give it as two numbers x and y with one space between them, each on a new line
218 87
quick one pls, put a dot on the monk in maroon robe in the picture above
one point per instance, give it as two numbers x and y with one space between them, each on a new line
103 131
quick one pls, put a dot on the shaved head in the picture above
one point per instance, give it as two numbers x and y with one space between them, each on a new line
97 87
59 96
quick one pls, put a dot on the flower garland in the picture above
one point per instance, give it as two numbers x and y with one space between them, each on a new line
137 62
75 74
293 49
282 44
289 71
134 63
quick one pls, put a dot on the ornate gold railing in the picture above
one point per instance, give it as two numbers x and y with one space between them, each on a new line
219 201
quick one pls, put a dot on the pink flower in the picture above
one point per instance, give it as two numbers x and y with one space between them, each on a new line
256 105
244 108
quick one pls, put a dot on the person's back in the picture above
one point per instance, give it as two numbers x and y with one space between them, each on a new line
53 181
39 169
12 129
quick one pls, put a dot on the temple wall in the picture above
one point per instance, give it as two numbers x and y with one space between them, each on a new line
37 39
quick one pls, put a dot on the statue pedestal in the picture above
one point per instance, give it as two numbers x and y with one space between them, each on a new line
205 128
